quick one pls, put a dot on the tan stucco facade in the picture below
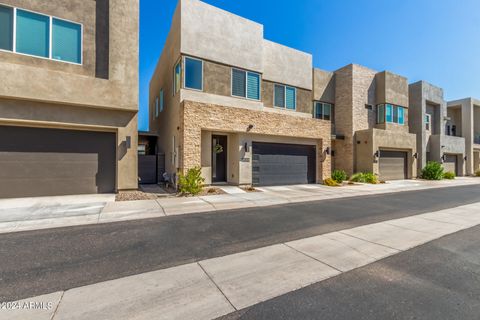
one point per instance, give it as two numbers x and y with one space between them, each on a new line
53 94
358 90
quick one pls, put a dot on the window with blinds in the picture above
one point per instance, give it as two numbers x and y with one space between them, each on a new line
285 97
6 28
33 34
66 41
39 35
245 84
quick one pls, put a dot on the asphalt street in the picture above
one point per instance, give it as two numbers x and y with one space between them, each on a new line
437 281
38 262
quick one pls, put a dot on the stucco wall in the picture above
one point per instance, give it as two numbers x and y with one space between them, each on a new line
53 81
392 88
196 118
323 86
237 41
286 65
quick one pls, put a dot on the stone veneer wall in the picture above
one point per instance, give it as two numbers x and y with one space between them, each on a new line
195 117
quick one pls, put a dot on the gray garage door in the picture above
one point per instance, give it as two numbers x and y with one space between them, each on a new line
393 165
43 162
450 164
281 164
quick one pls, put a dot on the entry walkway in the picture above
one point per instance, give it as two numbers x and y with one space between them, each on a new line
52 212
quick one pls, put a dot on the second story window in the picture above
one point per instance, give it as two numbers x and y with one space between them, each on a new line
177 76
6 28
285 97
428 122
323 111
391 114
162 102
193 74
245 84
39 35
156 107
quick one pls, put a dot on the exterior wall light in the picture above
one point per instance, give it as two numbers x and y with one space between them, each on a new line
465 158
246 146
327 151
444 157
377 154
415 155
250 127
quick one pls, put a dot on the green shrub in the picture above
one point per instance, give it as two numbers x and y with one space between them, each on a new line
192 182
330 182
339 176
358 177
370 178
432 171
449 175
477 174
364 177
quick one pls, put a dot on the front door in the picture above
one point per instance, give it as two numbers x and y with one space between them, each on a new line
219 158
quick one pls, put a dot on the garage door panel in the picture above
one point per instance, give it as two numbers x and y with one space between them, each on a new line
42 162
277 164
450 164
393 165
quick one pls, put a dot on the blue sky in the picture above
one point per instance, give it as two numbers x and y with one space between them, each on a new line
433 40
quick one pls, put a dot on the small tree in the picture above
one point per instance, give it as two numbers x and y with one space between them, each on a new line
432 171
192 182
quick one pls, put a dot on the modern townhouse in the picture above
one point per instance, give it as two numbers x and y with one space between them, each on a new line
429 121
464 121
372 124
68 96
227 100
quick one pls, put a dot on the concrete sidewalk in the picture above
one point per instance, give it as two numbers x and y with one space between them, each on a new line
41 213
211 288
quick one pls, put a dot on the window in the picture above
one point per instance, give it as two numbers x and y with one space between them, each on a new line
33 34
323 111
428 119
381 113
401 115
391 114
177 76
193 74
279 96
6 28
66 41
39 35
239 80
156 107
161 100
245 84
285 97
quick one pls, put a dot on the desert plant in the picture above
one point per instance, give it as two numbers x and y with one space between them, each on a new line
339 176
477 173
330 182
364 177
432 171
192 182
449 175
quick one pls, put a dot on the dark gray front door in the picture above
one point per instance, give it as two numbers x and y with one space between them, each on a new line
219 158
44 162
393 165
450 164
282 164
